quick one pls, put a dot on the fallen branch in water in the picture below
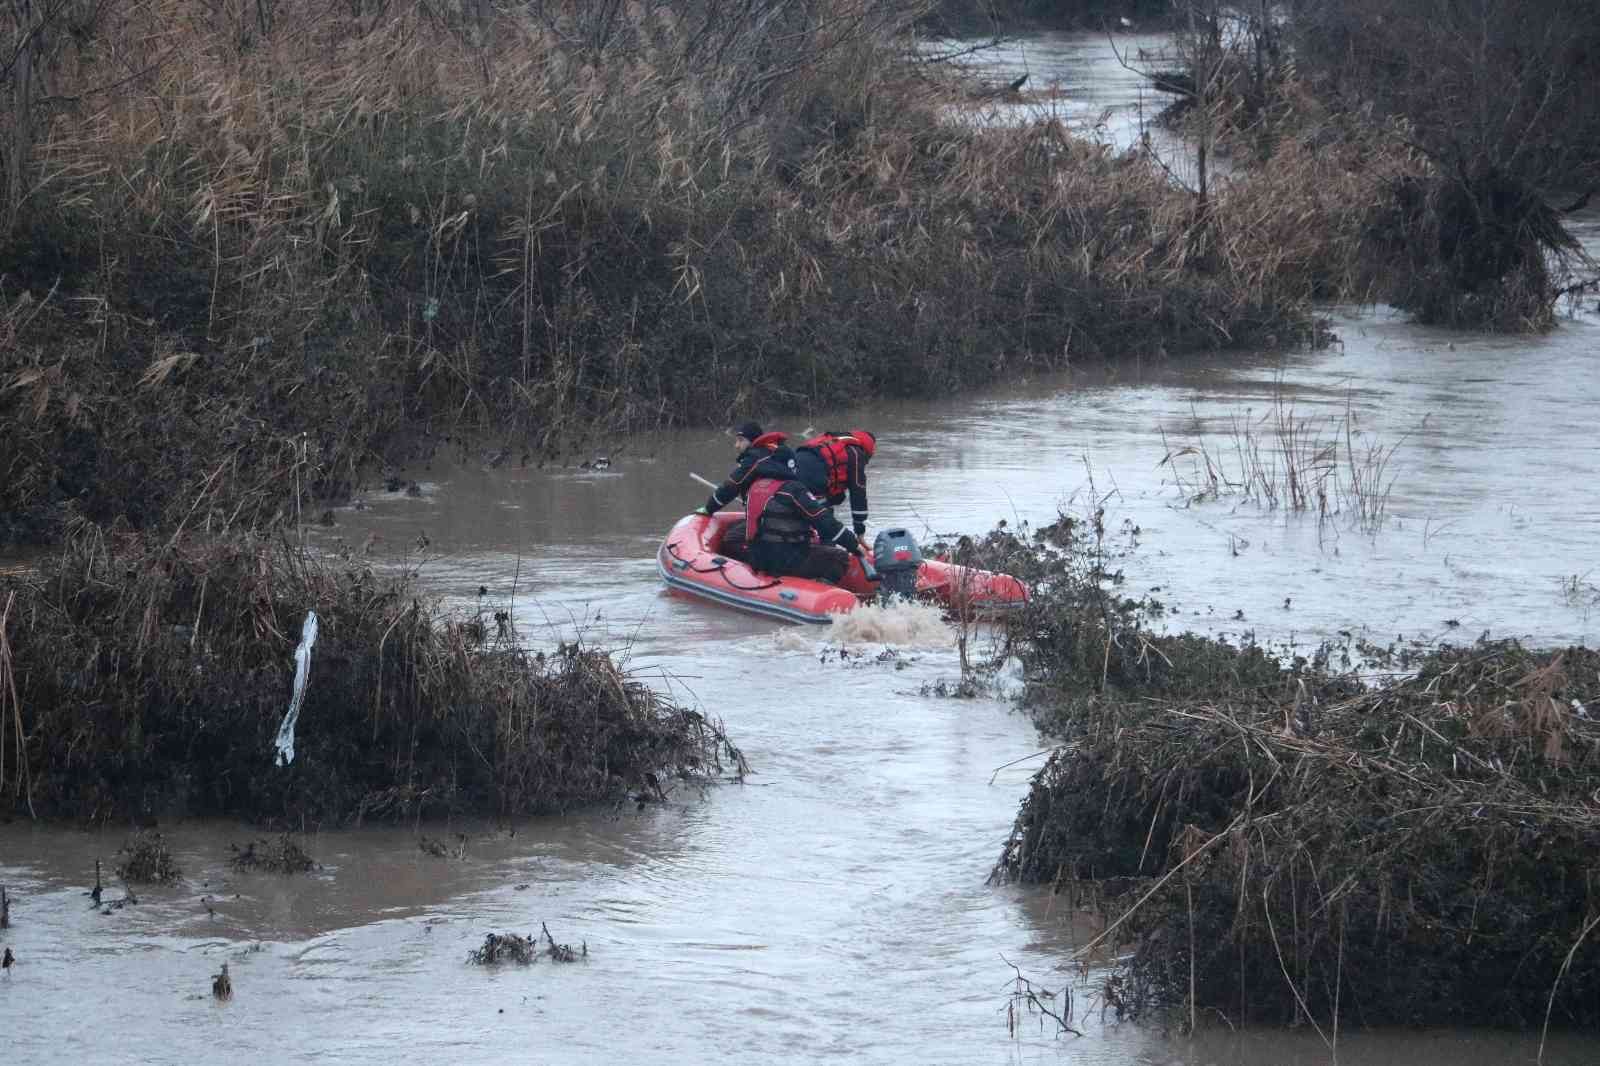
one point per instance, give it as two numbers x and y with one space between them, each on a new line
1031 1000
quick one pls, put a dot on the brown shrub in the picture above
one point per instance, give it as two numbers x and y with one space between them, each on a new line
147 679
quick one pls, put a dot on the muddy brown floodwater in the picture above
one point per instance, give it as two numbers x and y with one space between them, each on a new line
834 906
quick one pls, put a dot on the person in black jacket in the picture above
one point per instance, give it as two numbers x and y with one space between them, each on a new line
780 518
760 455
834 464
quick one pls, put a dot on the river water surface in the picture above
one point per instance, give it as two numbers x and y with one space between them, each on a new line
833 906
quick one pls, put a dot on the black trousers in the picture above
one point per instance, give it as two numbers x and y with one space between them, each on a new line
733 544
825 562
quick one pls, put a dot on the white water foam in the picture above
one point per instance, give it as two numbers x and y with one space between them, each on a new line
900 625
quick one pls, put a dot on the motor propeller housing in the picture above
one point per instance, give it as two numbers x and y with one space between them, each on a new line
898 560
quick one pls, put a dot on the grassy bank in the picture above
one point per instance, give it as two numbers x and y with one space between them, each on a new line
1283 842
254 258
142 679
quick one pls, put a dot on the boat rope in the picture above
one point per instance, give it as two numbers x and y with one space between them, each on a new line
719 568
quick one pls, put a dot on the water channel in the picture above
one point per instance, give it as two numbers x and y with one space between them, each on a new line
833 907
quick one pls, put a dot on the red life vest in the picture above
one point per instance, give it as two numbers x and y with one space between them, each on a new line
755 502
835 451
788 526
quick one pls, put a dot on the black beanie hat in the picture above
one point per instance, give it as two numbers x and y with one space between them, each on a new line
748 430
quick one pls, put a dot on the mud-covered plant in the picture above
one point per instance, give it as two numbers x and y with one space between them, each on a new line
279 854
147 859
525 950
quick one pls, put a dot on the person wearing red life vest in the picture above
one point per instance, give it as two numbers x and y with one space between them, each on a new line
835 464
781 516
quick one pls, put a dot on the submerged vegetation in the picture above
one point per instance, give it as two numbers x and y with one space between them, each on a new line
525 950
1278 839
146 859
1325 465
149 679
279 855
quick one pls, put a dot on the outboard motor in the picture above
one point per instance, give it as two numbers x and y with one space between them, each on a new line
898 559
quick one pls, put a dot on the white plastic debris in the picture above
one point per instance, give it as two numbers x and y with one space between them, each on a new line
302 670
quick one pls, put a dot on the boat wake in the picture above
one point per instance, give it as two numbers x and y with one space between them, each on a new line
901 625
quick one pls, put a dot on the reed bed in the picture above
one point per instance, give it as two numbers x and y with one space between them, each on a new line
287 249
141 680
1272 840
1283 460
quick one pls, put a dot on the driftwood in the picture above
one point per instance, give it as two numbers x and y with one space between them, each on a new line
525 950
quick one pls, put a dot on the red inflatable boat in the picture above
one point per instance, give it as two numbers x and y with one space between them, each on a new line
691 565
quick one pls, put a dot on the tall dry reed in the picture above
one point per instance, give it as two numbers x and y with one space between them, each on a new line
291 247
1280 459
150 678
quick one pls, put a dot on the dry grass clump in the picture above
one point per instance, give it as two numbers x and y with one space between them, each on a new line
1481 249
1295 851
141 677
1274 839
279 854
146 859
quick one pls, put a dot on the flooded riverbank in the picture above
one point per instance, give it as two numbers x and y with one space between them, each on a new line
834 905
